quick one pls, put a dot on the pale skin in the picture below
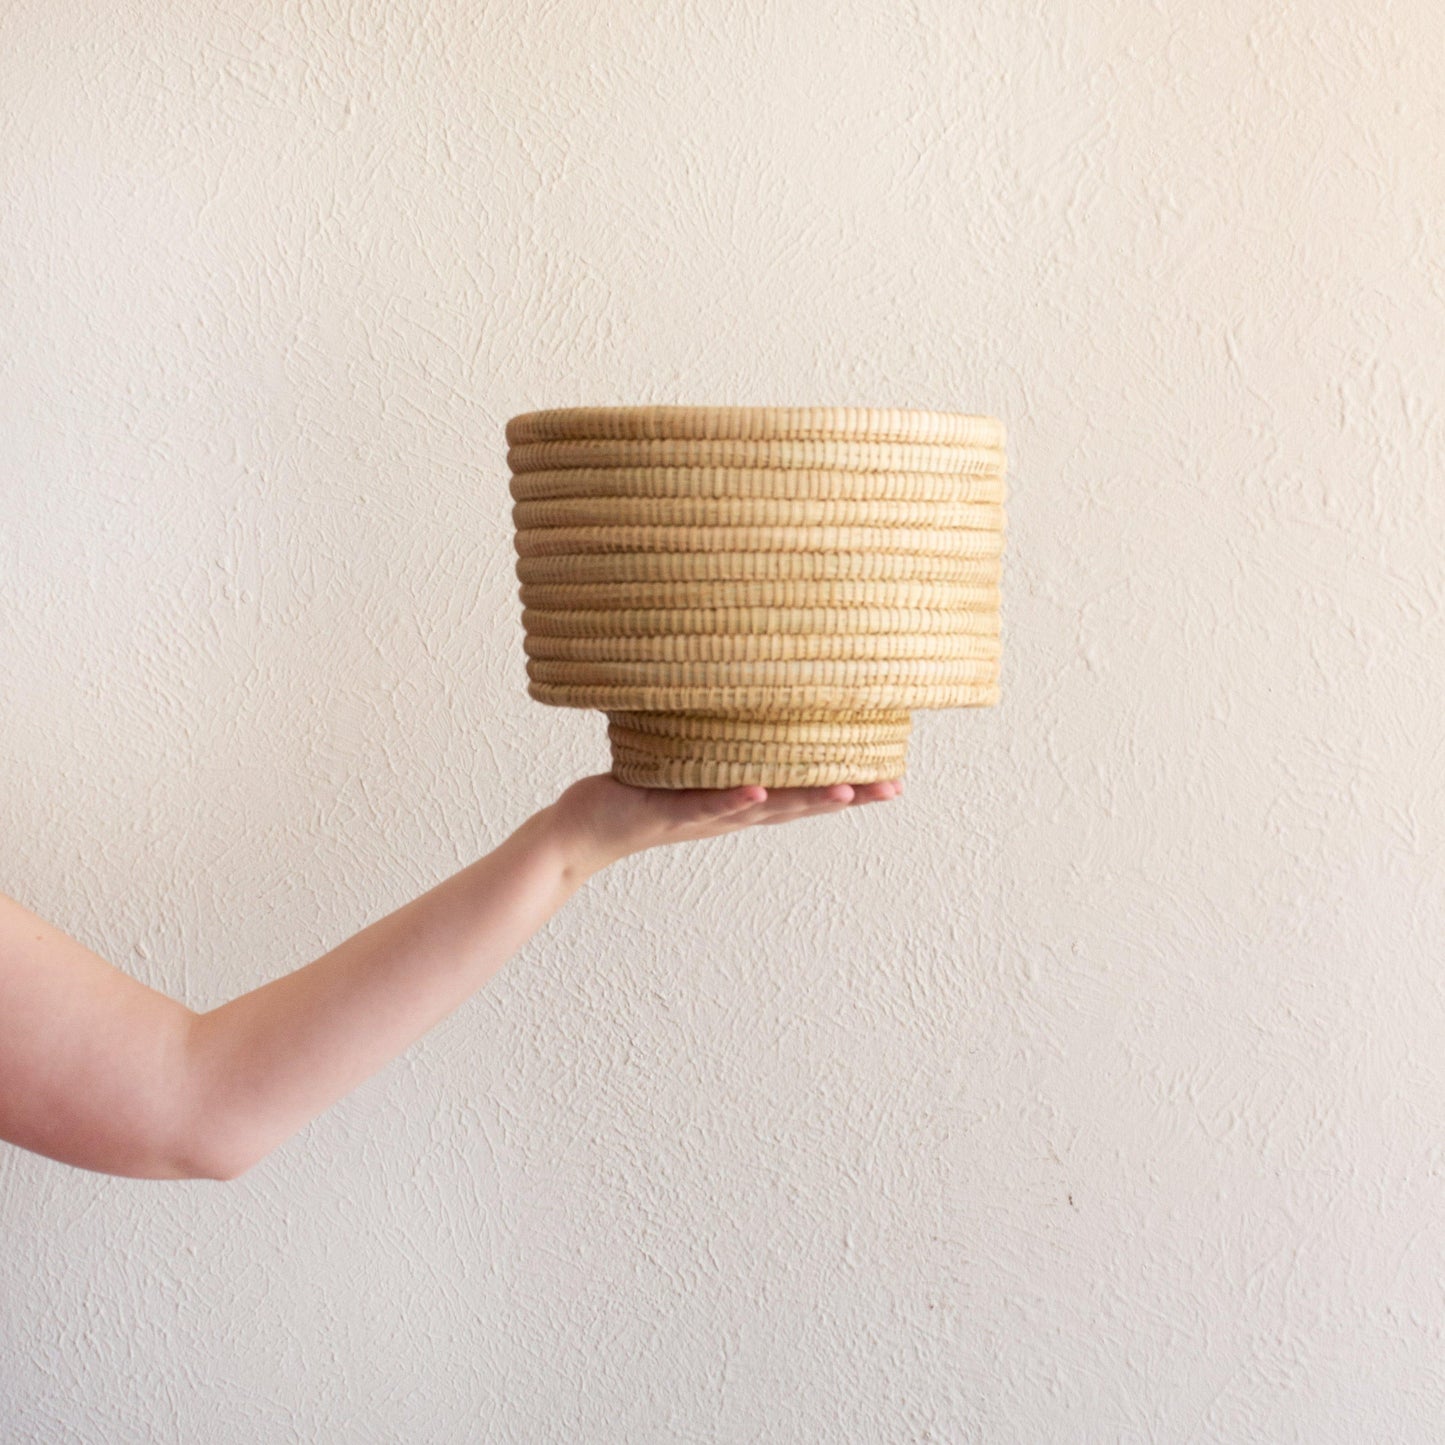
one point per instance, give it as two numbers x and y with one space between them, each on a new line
102 1072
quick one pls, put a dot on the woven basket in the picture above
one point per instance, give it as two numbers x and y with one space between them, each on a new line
758 595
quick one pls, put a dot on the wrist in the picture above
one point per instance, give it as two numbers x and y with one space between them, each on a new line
573 850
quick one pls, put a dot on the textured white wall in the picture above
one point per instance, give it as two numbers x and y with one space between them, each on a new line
1092 1092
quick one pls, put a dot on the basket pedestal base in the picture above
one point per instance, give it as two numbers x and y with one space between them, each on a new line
700 750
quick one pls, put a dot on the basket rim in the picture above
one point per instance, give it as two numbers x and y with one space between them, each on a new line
678 422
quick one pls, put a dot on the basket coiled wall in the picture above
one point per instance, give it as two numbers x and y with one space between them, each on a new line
758 594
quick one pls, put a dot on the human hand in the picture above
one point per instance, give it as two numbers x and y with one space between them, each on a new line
604 820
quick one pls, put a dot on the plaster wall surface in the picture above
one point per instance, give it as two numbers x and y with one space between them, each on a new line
1094 1090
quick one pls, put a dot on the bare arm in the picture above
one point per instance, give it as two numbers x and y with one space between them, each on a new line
100 1071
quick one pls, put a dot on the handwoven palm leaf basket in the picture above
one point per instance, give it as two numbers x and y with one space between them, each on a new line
758 595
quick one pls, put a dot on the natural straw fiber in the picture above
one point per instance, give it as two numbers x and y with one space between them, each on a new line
877 728
678 622
711 751
708 422
769 593
767 646
769 672
854 456
818 702
752 512
985 483
758 595
760 541
700 567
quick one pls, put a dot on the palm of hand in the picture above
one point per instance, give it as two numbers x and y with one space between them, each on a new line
615 819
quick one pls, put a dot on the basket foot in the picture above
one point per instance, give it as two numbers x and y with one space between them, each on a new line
700 750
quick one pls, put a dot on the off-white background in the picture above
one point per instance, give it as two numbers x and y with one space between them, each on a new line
1095 1090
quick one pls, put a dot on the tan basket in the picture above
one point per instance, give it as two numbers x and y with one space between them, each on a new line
614 512
706 422
758 595
850 455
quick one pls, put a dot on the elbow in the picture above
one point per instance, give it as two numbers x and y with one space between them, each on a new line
225 1174
207 1160
223 1171
203 1148
168 1163
206 1140
230 1166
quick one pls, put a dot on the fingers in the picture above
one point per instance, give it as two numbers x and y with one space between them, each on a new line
789 804
726 809
785 805
877 792
844 793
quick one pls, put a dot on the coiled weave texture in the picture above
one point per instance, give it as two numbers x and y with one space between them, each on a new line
758 594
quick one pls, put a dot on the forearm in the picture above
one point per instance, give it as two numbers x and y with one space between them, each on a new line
101 1071
263 1064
